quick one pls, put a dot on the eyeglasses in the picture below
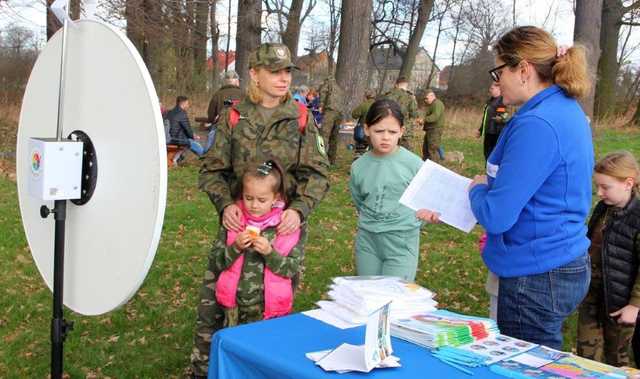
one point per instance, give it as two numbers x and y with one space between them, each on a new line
496 72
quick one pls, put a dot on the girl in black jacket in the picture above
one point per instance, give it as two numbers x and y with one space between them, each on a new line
607 316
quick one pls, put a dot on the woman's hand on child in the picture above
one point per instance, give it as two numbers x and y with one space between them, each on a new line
289 223
262 246
478 179
243 240
231 218
626 315
428 216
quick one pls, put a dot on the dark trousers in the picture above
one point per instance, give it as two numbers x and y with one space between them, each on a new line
490 141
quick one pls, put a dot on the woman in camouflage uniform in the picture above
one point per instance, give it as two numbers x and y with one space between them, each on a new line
266 124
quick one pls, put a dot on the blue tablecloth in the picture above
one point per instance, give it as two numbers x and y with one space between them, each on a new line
276 349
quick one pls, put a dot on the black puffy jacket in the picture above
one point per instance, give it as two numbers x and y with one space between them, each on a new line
620 251
179 127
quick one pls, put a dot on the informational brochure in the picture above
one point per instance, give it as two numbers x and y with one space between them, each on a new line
441 190
376 351
497 348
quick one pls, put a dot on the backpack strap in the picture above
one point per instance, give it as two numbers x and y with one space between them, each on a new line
303 112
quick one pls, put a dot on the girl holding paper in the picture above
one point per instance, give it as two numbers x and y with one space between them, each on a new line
388 238
536 194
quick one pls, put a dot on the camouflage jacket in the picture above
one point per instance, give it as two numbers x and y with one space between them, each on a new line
434 115
216 105
251 285
359 113
406 100
301 155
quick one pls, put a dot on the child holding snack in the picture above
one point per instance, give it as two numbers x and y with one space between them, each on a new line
388 237
607 316
257 265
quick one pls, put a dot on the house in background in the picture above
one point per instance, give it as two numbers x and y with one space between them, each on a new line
384 68
314 68
221 58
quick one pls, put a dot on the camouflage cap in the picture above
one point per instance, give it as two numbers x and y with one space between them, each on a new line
272 56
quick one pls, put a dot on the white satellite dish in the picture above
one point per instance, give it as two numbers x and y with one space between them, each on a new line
107 95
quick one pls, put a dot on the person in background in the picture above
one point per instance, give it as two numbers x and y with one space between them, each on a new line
359 114
433 125
300 95
331 100
607 316
180 129
494 118
409 107
228 94
313 103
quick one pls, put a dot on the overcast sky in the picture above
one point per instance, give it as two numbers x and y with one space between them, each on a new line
557 13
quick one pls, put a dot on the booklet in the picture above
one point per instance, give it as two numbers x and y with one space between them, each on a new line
441 190
376 351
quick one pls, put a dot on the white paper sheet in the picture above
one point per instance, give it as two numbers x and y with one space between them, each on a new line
441 190
328 318
376 351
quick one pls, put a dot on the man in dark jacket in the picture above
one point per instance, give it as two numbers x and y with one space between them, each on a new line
180 129
494 118
230 92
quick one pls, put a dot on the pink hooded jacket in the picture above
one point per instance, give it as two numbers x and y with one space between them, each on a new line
278 290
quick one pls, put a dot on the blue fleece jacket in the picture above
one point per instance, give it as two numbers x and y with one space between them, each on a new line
539 192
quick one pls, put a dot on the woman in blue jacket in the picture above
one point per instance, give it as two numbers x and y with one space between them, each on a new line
536 194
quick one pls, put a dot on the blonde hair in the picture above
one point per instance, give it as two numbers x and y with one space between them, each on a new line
538 47
255 94
620 165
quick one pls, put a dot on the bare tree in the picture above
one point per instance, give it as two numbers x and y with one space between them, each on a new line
334 24
200 33
424 10
247 35
613 12
353 50
587 32
215 38
290 20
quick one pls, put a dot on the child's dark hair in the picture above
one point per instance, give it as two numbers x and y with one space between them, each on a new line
383 108
262 170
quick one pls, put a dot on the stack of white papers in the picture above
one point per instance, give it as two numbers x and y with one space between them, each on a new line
353 298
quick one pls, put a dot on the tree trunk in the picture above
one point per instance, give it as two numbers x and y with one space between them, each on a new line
608 64
355 25
152 35
291 35
75 7
635 120
52 22
334 18
247 36
435 53
409 59
200 46
587 32
215 37
135 23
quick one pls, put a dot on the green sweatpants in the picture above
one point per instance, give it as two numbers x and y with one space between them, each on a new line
393 253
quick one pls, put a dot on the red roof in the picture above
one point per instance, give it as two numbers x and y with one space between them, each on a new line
221 58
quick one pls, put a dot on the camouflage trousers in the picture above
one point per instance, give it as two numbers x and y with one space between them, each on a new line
211 318
330 133
431 143
600 337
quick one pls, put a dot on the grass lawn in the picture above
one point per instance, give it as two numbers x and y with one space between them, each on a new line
151 336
